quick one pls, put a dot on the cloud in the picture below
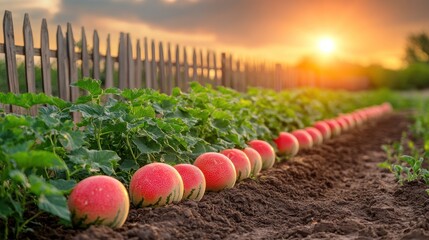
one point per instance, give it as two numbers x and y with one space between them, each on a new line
288 27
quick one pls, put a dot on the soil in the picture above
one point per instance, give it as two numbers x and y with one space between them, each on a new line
335 191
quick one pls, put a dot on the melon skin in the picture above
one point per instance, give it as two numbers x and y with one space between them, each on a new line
350 120
218 171
343 124
316 135
255 161
304 138
324 129
241 162
99 200
334 126
194 181
266 151
155 185
287 144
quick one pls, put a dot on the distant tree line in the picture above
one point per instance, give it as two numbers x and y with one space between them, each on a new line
415 74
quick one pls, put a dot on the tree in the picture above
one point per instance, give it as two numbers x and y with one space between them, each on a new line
417 50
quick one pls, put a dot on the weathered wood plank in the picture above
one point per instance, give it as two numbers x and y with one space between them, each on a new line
29 55
162 78
208 67
45 58
85 56
95 55
215 76
10 55
170 80
231 73
154 79
194 65
29 60
224 70
185 82
109 65
130 63
9 40
246 76
138 70
72 68
148 82
62 66
123 68
178 70
72 62
202 67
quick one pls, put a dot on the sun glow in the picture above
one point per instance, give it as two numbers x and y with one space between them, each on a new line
326 45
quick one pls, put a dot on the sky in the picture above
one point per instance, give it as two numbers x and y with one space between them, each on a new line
363 31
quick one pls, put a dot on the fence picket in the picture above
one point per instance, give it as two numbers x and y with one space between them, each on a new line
62 66
154 80
29 60
194 66
130 63
85 56
216 80
208 77
201 78
72 62
162 79
170 82
45 58
178 70
185 70
29 55
148 82
109 65
95 55
138 64
122 58
10 54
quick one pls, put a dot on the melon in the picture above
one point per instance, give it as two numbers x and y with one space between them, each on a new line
218 171
193 181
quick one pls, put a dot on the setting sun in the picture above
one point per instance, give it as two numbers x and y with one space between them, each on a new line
326 45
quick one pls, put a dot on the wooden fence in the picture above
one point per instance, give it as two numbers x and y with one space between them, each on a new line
146 64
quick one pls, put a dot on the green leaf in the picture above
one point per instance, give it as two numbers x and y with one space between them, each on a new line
72 140
93 86
129 164
27 100
5 209
96 160
88 110
19 177
54 204
146 147
63 185
38 159
141 111
39 186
